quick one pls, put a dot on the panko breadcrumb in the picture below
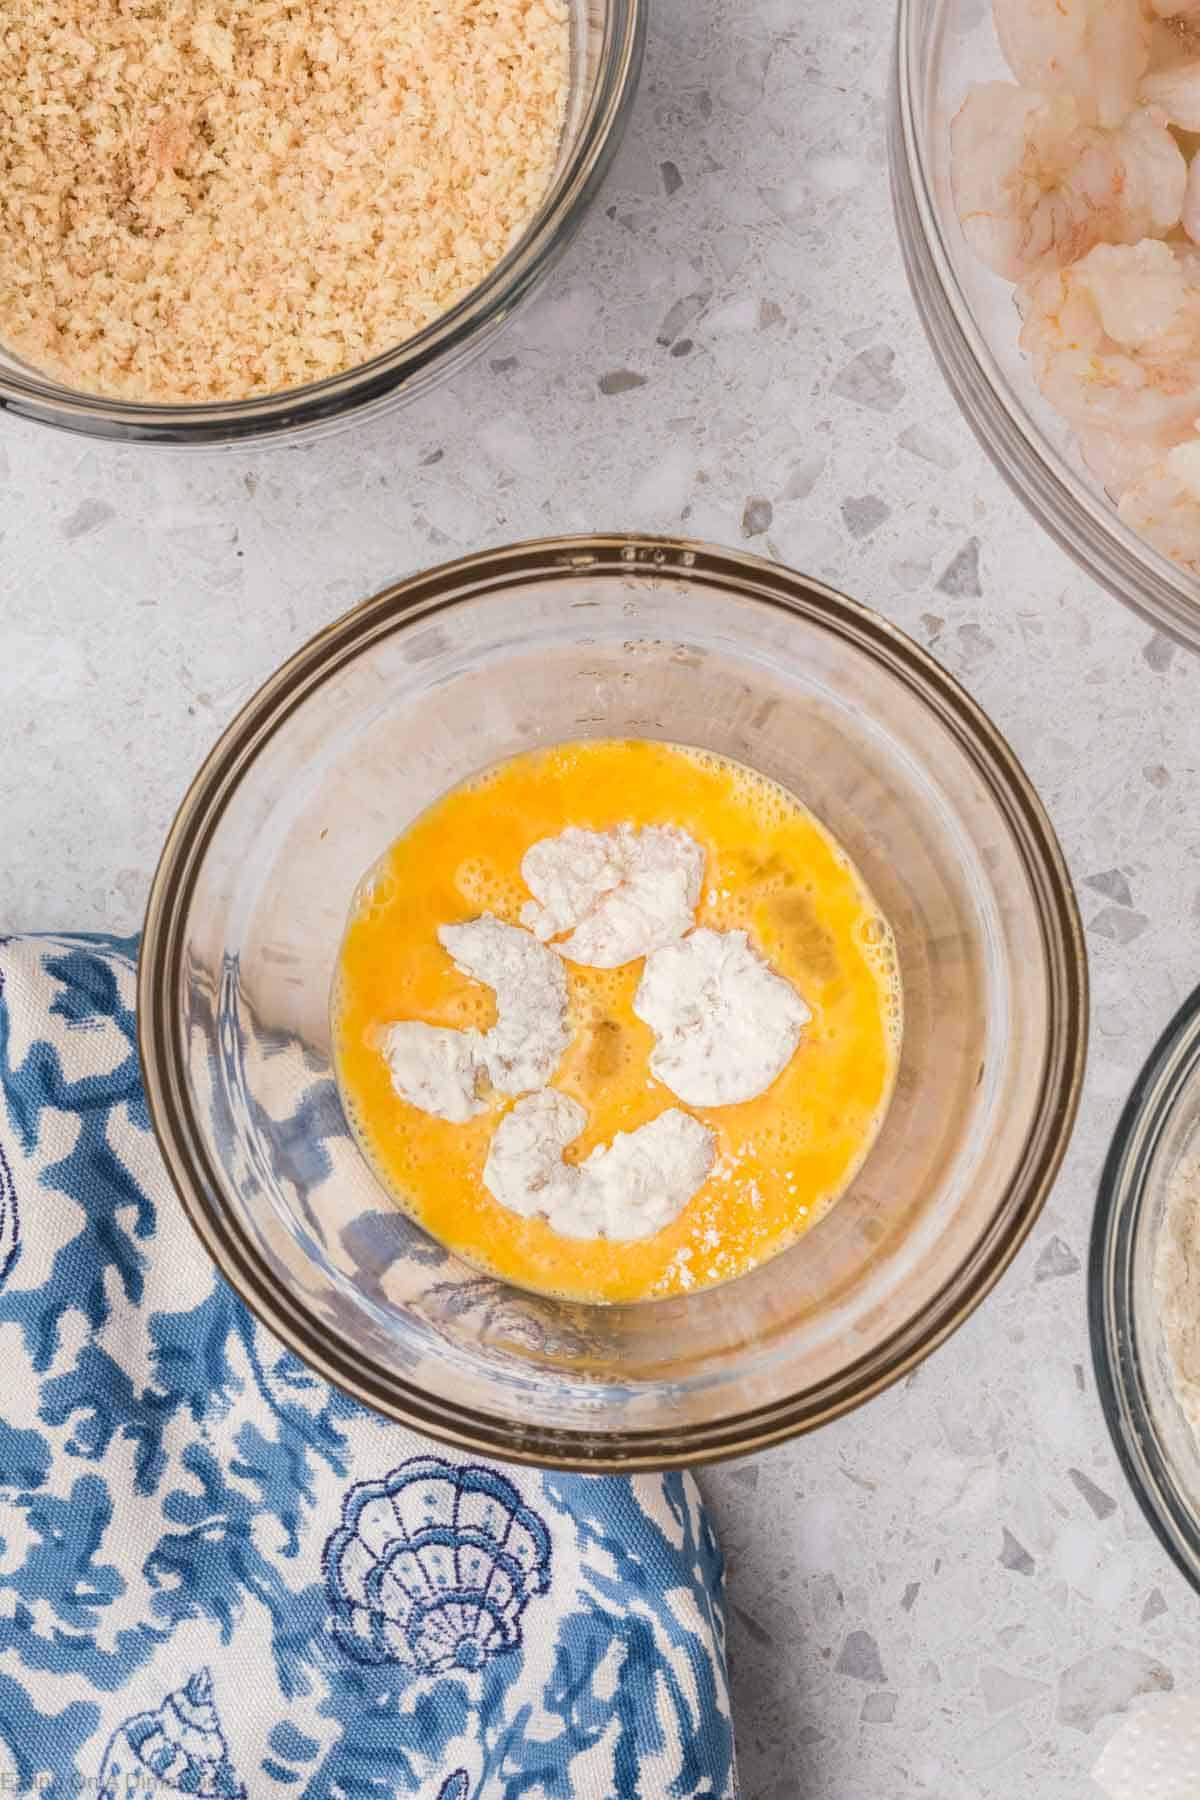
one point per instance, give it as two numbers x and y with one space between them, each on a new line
203 200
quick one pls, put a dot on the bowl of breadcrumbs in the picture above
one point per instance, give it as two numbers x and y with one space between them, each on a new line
223 218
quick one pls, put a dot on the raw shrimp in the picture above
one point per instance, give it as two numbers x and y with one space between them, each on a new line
1115 460
1176 9
1115 340
1190 216
1094 49
1164 506
1175 91
1037 187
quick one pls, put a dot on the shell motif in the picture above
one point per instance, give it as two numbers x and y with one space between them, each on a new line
10 1226
180 1749
434 1566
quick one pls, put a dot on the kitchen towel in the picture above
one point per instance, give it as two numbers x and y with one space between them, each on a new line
220 1576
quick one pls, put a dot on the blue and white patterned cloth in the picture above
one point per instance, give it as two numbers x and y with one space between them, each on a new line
219 1576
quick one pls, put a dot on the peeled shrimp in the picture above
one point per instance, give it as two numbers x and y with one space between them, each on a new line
1093 49
1115 460
1115 340
1190 216
629 1188
1164 506
1037 187
439 1068
1175 91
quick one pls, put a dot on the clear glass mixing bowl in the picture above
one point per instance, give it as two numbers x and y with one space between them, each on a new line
606 54
1159 1130
942 47
423 686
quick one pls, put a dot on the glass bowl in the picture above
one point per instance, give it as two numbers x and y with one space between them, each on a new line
430 682
606 53
970 317
1159 1129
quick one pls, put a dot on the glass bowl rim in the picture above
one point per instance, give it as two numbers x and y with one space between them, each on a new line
1161 1086
29 395
1097 540
457 583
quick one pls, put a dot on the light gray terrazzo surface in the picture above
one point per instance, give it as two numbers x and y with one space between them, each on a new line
951 1593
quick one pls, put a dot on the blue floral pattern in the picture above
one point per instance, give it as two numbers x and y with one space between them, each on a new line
220 1576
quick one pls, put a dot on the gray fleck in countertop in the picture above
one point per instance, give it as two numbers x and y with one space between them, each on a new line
950 1594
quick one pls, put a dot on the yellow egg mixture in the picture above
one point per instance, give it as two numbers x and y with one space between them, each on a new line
771 870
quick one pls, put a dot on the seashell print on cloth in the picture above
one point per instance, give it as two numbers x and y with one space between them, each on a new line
434 1566
179 1749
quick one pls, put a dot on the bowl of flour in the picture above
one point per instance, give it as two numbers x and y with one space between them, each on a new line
1144 1289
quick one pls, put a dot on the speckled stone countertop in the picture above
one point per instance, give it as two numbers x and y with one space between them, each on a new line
951 1593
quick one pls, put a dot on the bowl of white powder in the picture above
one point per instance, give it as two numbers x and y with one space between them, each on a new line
458 671
220 223
1144 1289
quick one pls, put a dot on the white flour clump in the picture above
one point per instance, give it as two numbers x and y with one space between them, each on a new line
435 1068
628 1189
619 893
440 1070
725 1024
643 1179
525 1045
1177 1287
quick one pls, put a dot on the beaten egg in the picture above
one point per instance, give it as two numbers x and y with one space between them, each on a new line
771 869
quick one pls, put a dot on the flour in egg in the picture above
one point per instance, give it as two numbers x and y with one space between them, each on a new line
725 1024
525 1045
620 893
435 1068
627 1189
442 1070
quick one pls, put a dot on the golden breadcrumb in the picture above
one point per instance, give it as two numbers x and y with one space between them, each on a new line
209 199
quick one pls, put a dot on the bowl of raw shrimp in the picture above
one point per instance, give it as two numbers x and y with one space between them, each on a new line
1047 199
